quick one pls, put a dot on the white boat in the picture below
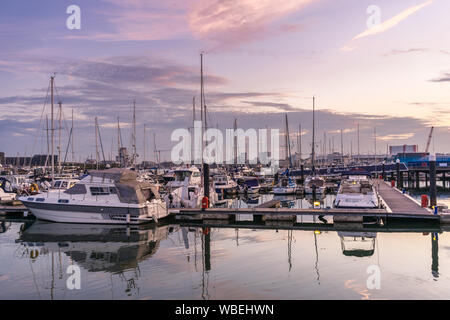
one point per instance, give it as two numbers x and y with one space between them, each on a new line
285 186
185 176
7 194
316 183
223 184
357 191
112 196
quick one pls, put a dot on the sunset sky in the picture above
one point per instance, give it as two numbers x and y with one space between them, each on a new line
263 58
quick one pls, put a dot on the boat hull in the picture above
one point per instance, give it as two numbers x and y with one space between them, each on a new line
94 214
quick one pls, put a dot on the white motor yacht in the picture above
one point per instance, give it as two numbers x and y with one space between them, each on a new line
357 191
7 194
112 196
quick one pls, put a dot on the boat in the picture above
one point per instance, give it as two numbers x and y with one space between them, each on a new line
314 183
223 184
112 196
7 194
285 186
357 191
248 185
185 176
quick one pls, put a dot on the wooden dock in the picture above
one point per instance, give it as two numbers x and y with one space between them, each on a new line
398 202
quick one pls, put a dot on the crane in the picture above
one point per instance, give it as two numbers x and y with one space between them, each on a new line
429 139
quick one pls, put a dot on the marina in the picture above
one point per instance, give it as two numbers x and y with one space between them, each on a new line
231 153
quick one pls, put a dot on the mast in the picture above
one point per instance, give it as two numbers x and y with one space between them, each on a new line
96 143
59 137
134 133
342 148
145 150
288 143
202 107
358 143
313 155
235 143
52 80
73 154
48 142
193 126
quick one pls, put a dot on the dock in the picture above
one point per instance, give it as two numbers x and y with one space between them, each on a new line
396 205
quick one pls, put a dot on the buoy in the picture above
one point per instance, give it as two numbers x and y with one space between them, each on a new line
424 199
205 203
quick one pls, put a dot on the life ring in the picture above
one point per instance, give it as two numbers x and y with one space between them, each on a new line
34 254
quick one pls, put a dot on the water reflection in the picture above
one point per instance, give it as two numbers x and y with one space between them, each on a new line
357 244
117 250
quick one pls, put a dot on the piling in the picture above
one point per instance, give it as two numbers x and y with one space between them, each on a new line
433 191
443 180
206 179
399 176
383 172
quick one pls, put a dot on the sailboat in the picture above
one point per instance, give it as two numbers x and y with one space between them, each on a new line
286 185
187 188
314 183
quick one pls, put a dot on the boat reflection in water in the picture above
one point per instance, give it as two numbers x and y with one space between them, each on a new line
357 244
113 249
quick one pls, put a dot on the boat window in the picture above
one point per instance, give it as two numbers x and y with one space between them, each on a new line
77 189
64 184
63 201
72 184
57 184
99 191
40 199
112 190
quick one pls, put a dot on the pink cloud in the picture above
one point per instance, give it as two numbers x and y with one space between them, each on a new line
232 22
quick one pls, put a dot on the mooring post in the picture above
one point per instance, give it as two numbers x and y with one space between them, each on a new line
443 180
399 177
433 191
206 179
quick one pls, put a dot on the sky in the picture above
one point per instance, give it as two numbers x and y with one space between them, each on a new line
387 70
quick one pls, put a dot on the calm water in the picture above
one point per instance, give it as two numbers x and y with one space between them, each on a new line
175 262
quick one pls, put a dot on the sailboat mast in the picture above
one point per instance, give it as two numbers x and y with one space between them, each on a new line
134 133
358 143
313 155
193 126
235 143
73 154
203 114
96 143
52 80
145 149
59 137
288 143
